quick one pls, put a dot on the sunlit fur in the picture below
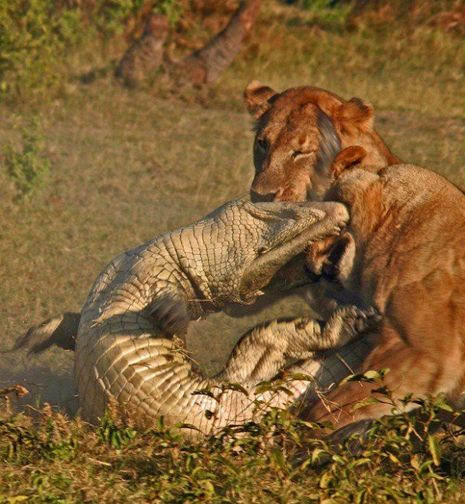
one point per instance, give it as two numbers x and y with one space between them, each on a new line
407 224
405 253
299 132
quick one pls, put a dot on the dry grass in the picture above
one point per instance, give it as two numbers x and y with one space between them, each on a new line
396 64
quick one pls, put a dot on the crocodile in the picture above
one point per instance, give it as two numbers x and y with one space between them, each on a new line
128 347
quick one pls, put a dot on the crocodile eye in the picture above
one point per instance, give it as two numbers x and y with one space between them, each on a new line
262 144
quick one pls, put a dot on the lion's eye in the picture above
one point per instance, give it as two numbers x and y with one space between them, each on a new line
262 144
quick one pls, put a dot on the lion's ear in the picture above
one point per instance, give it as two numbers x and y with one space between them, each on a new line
328 102
258 98
347 158
355 113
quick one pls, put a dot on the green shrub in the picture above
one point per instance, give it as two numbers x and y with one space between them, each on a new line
28 165
327 13
109 17
113 433
172 9
37 36
399 459
33 38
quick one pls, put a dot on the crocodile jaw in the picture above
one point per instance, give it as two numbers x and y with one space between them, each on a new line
261 271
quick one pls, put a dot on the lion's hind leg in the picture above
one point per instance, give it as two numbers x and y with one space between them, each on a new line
408 371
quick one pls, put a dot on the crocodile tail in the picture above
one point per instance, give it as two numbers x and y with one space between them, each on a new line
60 331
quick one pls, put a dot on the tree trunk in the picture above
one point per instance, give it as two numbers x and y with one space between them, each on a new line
205 65
201 67
146 55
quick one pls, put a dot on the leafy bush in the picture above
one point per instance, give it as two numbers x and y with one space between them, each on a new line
172 9
327 13
33 38
398 459
37 36
28 165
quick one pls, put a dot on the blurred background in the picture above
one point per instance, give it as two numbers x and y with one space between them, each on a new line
122 119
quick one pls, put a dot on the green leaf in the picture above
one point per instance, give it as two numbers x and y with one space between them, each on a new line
325 480
236 387
434 449
340 460
365 402
181 425
277 459
394 459
205 392
227 463
360 497
300 377
361 461
317 453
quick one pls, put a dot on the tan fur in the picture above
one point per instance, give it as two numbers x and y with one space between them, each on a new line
406 255
409 229
289 160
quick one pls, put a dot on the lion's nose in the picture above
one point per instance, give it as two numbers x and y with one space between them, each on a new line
257 196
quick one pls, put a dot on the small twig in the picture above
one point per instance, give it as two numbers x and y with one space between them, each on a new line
99 462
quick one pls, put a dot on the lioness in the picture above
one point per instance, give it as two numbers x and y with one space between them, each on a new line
408 227
299 133
405 248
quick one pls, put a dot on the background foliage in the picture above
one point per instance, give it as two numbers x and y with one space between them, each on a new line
44 44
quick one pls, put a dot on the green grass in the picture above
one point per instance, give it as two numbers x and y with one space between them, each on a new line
53 459
128 165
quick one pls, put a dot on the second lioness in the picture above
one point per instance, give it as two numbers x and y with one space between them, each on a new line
408 260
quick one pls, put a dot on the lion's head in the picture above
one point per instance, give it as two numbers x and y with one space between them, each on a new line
299 132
